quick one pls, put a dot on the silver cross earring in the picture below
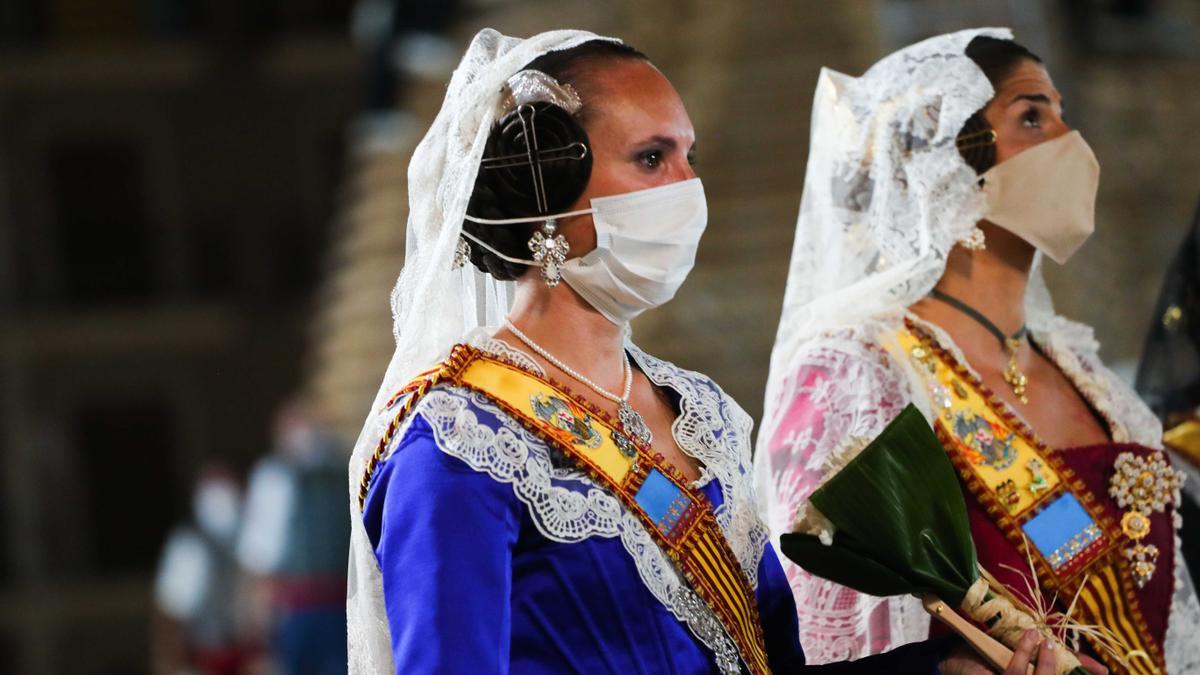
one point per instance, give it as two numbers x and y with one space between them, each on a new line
550 251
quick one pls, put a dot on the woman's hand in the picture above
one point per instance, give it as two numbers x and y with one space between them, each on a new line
964 660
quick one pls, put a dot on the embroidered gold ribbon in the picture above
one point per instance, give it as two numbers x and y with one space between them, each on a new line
1032 495
679 519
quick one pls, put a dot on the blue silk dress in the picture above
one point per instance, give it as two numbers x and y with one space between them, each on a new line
498 557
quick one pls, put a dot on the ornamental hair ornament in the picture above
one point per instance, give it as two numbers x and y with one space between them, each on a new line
538 157
976 139
534 86
462 253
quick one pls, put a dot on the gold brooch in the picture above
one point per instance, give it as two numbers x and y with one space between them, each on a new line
1142 486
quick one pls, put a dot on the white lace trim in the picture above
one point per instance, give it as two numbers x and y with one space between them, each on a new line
1181 649
713 429
844 391
567 506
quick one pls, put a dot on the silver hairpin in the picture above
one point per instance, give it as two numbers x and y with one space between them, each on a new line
534 86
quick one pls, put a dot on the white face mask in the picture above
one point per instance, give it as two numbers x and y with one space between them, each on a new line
217 506
1046 195
646 244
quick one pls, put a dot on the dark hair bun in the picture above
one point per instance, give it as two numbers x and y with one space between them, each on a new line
977 143
997 58
556 144
507 183
511 240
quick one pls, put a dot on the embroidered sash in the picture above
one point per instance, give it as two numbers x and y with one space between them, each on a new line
679 518
1034 497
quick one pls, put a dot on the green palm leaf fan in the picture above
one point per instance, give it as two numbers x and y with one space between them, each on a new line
900 528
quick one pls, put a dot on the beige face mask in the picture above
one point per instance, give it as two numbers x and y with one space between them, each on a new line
1046 195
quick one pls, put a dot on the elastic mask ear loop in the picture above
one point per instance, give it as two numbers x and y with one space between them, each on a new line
498 254
549 252
532 219
549 248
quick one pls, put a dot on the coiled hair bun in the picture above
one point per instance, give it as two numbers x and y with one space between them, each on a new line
504 190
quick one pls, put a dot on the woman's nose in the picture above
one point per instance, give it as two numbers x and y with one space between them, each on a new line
682 170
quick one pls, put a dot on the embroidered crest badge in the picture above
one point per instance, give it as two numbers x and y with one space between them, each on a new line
983 442
574 423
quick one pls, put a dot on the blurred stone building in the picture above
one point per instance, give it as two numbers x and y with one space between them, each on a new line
167 170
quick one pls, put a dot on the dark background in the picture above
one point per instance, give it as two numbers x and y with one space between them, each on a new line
202 207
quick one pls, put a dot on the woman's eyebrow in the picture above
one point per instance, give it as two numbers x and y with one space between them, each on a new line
665 141
1036 98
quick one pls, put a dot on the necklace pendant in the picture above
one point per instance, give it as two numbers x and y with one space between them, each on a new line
624 445
633 424
1015 378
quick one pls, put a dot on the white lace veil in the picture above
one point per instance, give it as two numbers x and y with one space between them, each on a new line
886 196
433 305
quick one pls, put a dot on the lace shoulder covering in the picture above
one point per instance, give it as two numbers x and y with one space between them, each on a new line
838 393
564 504
716 431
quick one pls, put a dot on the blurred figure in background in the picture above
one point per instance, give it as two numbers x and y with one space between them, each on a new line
1169 376
196 589
293 544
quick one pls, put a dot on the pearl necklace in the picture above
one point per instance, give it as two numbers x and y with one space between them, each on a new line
630 420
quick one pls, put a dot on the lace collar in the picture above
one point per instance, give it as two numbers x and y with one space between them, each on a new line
710 427
694 406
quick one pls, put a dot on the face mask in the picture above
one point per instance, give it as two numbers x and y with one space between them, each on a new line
216 505
646 244
1046 195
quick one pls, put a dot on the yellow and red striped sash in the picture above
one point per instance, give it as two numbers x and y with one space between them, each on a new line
679 518
1039 504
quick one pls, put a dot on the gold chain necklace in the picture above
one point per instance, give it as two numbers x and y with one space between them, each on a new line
1009 343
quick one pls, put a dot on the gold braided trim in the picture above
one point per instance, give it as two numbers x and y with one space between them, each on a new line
448 369
1104 581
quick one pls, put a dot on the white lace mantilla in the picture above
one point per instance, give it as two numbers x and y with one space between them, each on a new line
846 387
567 506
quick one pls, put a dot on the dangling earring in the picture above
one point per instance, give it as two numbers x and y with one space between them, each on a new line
974 241
550 251
462 253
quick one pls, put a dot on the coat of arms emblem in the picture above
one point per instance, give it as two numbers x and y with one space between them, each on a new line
573 423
